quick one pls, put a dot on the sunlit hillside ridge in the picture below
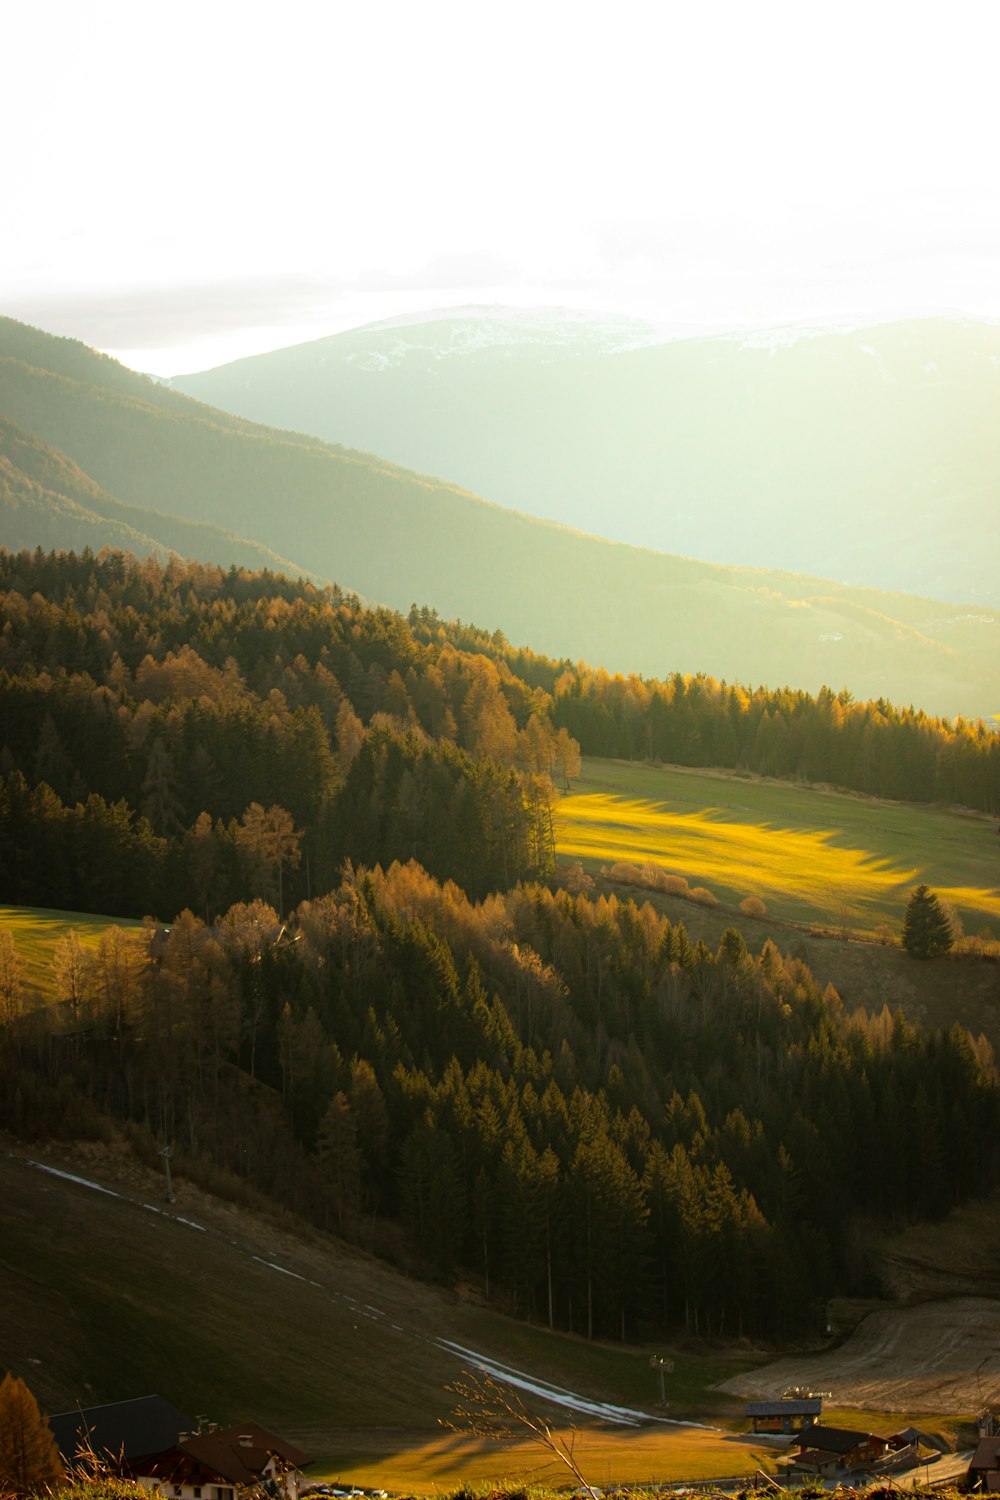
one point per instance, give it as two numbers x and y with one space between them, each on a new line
557 590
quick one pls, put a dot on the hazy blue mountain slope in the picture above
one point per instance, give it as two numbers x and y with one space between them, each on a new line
399 537
47 501
870 455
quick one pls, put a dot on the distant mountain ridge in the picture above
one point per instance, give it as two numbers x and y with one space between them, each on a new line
559 332
870 454
397 537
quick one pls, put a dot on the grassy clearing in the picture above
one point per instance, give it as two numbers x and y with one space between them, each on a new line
812 855
105 1299
607 1456
36 930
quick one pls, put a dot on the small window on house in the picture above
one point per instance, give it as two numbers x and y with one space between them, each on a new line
196 1491
177 1491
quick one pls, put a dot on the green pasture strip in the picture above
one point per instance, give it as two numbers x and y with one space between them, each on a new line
593 1368
811 854
105 1298
36 931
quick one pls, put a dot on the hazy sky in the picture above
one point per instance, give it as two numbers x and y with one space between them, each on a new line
186 183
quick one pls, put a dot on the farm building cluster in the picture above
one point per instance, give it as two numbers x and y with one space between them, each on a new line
822 1452
149 1440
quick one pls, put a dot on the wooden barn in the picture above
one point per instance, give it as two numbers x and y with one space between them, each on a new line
785 1415
827 1451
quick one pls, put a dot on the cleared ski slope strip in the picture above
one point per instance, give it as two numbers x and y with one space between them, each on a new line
622 1416
583 1406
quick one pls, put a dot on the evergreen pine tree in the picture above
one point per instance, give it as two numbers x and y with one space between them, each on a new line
926 929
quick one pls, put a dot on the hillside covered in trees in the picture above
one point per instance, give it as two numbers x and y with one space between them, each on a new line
375 1003
615 1131
395 536
47 501
178 735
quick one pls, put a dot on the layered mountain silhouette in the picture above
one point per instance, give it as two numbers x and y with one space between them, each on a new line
396 536
870 455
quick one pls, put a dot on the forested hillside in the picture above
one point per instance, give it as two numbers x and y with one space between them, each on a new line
396 536
615 1132
147 708
379 1007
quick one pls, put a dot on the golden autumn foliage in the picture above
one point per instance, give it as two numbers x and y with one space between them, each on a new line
29 1458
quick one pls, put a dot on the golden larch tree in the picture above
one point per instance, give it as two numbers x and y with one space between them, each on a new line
29 1458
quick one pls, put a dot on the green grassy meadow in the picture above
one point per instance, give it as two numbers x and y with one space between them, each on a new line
36 930
238 1315
812 855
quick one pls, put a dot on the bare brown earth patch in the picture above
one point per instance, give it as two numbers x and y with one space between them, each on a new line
941 1357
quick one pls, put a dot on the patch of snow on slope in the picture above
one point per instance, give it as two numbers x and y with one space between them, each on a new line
72 1177
622 1416
786 334
558 332
108 1192
273 1265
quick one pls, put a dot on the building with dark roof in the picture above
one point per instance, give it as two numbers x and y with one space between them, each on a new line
984 1469
132 1430
149 1440
786 1415
836 1450
212 1465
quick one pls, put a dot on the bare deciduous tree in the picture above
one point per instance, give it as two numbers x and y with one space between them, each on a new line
489 1408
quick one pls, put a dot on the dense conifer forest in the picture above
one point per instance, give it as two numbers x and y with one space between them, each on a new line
377 1006
147 708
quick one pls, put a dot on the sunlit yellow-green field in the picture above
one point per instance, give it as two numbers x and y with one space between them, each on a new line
607 1456
36 931
810 855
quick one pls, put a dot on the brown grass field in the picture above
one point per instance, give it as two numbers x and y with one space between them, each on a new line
607 1456
939 1357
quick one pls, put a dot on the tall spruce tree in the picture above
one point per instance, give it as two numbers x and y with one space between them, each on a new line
926 929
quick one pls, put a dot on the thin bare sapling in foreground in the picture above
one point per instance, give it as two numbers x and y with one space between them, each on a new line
489 1408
